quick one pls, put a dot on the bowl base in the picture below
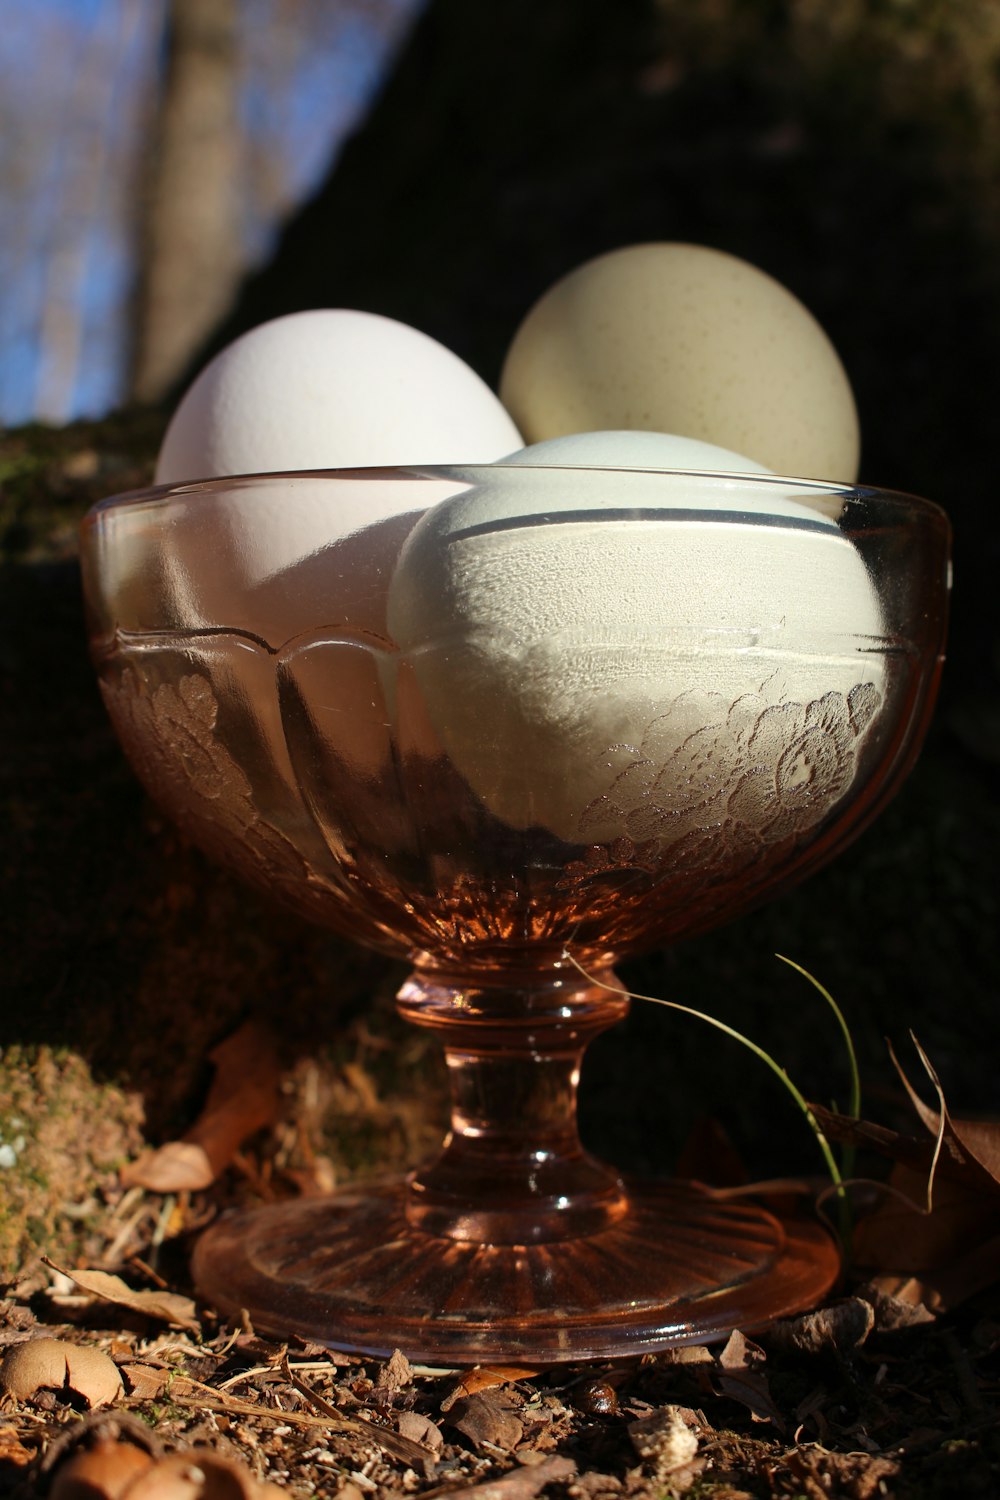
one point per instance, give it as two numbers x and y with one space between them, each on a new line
351 1272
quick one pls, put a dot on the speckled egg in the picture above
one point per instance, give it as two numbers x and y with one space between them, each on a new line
689 340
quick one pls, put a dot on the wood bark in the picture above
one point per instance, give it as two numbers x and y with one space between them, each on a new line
190 239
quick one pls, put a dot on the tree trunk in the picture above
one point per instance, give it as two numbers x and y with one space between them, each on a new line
190 239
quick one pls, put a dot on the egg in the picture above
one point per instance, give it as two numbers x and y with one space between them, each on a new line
329 389
689 340
273 556
632 450
332 389
605 652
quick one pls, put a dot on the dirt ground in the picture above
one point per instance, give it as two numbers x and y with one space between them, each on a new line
874 1397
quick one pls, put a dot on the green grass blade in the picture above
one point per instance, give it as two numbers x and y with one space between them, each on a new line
765 1057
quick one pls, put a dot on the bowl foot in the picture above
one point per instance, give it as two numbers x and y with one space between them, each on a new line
351 1271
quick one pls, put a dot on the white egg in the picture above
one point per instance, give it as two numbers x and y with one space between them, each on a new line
277 556
683 339
576 633
633 450
332 389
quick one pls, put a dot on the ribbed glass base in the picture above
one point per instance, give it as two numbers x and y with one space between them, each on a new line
352 1271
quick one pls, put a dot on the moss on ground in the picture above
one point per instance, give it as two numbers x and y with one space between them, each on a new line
63 1138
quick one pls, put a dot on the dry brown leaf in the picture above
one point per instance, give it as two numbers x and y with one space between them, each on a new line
244 1098
396 1373
144 1382
842 1327
953 1251
908 1150
897 1302
12 1450
899 1237
486 1418
175 1167
962 1274
420 1429
741 1377
688 1354
973 1143
165 1307
484 1378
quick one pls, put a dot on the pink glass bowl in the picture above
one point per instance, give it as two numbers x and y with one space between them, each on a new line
636 752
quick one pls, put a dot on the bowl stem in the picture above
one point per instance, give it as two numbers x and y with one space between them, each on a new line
512 1170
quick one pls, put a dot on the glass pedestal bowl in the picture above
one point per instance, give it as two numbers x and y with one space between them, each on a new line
492 720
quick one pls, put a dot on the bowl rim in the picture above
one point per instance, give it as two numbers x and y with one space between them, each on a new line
158 496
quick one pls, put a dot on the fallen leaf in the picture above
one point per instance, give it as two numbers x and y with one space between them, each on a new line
396 1373
842 1327
740 1376
484 1378
911 1151
144 1382
952 1251
420 1429
900 1236
244 1097
165 1307
175 1167
486 1418
896 1301
688 1354
975 1142
12 1450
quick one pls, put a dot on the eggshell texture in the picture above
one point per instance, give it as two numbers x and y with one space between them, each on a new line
683 339
103 1472
559 620
633 450
332 389
43 1364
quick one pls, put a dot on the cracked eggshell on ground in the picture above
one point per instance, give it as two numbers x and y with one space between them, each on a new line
684 339
553 615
